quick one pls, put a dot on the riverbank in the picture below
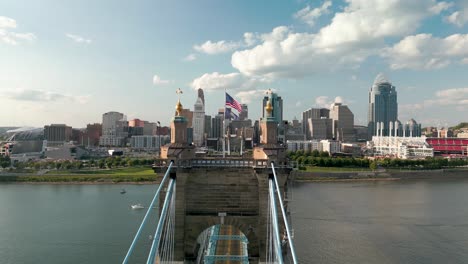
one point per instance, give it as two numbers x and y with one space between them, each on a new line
380 175
129 175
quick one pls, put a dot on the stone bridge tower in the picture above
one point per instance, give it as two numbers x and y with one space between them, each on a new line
231 191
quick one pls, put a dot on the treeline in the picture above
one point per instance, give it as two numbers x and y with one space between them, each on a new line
5 161
322 159
110 162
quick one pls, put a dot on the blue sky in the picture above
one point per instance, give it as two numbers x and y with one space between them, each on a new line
71 61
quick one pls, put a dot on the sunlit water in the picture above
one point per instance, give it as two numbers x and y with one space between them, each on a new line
358 222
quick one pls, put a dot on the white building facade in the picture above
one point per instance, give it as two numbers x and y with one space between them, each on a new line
400 147
199 123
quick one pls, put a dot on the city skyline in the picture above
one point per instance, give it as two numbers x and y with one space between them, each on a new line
69 63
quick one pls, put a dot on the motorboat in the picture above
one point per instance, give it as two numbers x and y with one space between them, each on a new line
137 206
123 191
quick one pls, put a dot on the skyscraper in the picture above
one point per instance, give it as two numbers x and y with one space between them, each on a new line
245 112
277 103
383 106
199 120
343 122
312 113
114 129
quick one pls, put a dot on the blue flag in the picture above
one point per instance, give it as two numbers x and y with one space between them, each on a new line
230 115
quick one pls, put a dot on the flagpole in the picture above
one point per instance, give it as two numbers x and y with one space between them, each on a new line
224 125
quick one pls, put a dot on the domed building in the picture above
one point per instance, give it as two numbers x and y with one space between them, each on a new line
383 107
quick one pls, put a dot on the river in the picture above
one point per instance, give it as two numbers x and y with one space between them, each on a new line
336 222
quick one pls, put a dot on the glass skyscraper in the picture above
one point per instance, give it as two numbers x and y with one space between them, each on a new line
383 106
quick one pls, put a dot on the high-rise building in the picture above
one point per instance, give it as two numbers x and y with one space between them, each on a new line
208 126
343 122
217 126
57 134
383 107
199 120
277 104
188 114
244 114
320 128
114 129
92 135
312 113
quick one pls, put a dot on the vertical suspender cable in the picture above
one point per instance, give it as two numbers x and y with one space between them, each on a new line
288 232
132 246
157 233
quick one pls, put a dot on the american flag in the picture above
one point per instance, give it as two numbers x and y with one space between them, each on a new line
230 115
231 102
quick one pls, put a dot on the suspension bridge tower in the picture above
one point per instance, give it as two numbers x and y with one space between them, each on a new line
234 191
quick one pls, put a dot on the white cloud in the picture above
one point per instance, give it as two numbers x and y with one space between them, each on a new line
440 7
423 51
190 57
309 15
216 47
250 39
229 81
354 34
78 39
8 36
460 16
247 97
33 95
326 102
224 46
158 81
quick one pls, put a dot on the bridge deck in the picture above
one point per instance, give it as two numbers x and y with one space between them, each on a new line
227 245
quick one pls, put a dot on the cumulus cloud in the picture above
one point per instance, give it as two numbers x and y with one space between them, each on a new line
190 57
224 46
229 81
460 16
423 51
440 7
216 47
33 95
10 37
78 39
158 81
453 97
247 97
326 102
309 15
354 34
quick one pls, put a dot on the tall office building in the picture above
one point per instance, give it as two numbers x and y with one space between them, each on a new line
312 113
383 107
244 114
343 122
114 129
199 120
277 103
208 126
320 128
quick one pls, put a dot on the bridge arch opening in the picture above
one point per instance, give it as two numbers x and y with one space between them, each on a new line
222 242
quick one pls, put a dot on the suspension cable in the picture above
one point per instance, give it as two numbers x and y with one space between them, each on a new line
277 244
157 233
288 232
142 225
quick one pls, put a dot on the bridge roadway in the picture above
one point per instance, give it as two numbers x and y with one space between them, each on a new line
227 245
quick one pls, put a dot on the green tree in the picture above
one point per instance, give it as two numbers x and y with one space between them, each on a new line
373 165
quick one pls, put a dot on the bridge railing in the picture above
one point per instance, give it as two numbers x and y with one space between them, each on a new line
220 162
